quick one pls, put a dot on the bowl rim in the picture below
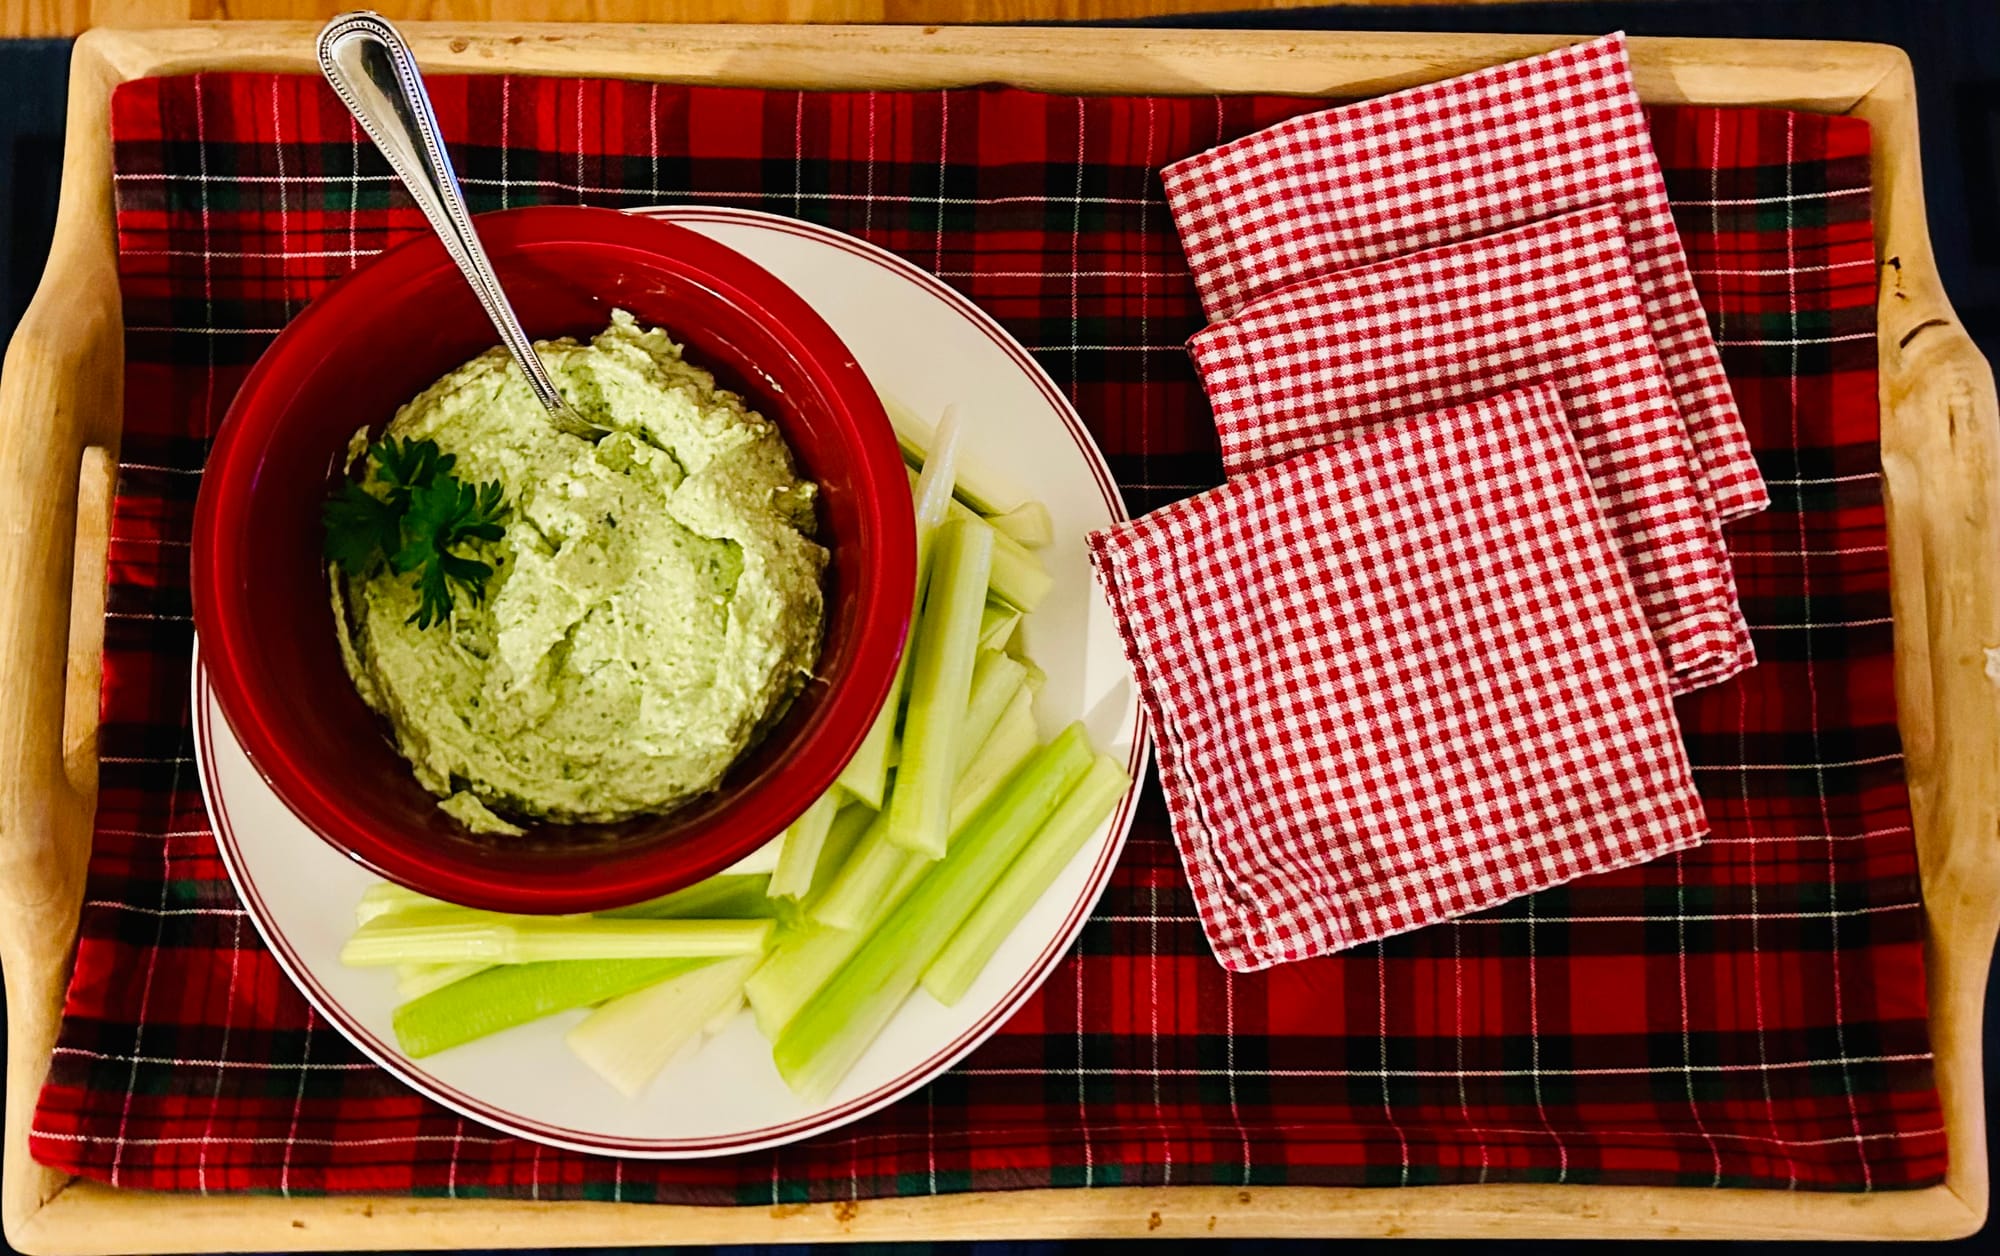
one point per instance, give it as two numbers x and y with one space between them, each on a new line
885 592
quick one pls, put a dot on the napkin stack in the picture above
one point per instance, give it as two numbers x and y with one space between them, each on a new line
1417 657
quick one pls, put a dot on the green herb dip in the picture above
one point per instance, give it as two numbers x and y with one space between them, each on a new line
655 602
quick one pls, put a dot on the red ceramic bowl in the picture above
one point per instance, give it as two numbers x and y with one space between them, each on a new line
377 339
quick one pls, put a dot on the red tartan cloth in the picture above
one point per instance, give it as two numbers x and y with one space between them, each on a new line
1751 1012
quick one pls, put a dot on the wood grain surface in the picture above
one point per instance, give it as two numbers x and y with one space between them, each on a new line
69 17
59 414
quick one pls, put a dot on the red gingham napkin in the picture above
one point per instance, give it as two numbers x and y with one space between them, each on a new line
1456 159
1553 301
1398 679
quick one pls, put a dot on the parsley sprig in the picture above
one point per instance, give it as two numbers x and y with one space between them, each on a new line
410 511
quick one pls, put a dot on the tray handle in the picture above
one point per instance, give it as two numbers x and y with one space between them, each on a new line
61 402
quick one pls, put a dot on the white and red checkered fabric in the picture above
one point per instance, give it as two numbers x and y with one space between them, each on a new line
1553 301
1452 160
1398 679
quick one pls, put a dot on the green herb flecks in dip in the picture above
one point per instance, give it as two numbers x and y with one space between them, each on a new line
654 602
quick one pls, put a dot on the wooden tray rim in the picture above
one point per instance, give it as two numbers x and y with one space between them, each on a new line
60 407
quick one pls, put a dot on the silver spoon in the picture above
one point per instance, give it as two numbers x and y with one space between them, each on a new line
375 75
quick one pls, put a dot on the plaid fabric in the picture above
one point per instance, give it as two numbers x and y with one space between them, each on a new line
1458 158
1556 301
1399 679
1751 1012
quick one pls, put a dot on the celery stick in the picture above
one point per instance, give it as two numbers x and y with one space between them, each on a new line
1036 676
724 1012
433 937
383 897
1006 748
514 994
981 486
724 896
802 841
421 979
1029 523
865 775
631 1038
832 1031
940 682
996 624
995 680
760 862
807 958
841 838
1019 577
859 884
1075 819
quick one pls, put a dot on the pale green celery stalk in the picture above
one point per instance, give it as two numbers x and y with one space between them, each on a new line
724 896
383 897
893 756
415 980
859 884
856 895
866 774
995 680
631 1038
1036 676
940 683
841 838
514 994
402 937
807 958
760 862
1029 523
802 841
832 1031
985 489
1026 879
1019 578
1006 748
996 624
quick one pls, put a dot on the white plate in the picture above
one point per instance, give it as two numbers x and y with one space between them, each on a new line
928 346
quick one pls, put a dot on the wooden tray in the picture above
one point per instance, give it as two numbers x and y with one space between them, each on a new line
60 411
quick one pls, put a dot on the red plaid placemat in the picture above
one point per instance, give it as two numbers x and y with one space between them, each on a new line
1556 301
1396 680
1748 1013
1455 159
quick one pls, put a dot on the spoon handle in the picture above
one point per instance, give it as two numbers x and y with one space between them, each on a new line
375 75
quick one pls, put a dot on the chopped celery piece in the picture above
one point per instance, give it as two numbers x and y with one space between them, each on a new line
865 775
724 896
806 959
1006 748
1019 577
1029 523
632 1037
762 861
1036 676
1075 819
802 841
859 884
996 624
383 897
995 680
456 936
416 980
940 682
514 994
724 1012
982 487
841 838
830 1032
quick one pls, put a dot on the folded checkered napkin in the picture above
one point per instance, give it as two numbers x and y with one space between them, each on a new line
1554 301
1454 159
1397 679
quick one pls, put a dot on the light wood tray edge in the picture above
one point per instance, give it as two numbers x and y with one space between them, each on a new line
60 410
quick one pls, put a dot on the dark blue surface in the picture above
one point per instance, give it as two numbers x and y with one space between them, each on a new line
1954 44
